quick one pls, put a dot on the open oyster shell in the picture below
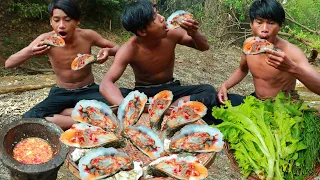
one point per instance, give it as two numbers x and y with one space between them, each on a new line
131 108
145 139
54 40
82 60
176 18
256 45
103 162
197 138
158 105
83 136
185 113
95 113
185 168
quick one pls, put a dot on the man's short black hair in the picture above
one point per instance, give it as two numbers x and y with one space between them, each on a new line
70 7
137 15
267 9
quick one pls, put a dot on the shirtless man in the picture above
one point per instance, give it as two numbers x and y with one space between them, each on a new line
72 86
275 70
151 56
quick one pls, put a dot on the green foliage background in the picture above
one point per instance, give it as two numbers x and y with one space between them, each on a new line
212 14
305 12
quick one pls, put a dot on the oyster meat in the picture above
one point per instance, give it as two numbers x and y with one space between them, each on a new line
83 136
95 113
158 105
176 18
145 139
82 60
185 113
185 168
54 40
197 138
103 162
131 108
255 45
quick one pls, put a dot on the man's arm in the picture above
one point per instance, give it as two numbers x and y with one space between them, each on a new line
191 37
296 64
234 79
108 48
107 87
36 47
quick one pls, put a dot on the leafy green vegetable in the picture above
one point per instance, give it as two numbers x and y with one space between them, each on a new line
266 135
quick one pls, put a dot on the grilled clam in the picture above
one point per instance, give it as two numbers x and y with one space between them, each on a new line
103 162
256 45
131 108
184 168
197 138
186 113
95 113
83 136
158 105
145 139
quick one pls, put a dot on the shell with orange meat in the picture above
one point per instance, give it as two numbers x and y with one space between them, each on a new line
197 138
158 105
95 113
54 40
145 139
103 162
82 60
131 108
185 113
184 168
83 136
256 45
176 18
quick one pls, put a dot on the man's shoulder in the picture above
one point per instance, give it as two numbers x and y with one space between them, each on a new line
129 48
132 43
288 47
85 32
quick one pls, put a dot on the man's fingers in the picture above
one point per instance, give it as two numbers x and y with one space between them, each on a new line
222 97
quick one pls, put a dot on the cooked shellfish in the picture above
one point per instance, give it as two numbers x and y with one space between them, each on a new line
83 136
176 18
95 113
186 168
255 45
185 113
197 138
145 139
54 40
82 60
131 108
103 162
158 105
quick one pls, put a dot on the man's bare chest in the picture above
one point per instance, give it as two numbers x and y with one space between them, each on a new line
260 69
65 56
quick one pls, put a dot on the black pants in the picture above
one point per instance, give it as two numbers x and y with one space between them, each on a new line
204 93
237 99
60 99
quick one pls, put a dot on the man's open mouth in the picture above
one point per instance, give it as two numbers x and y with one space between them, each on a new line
63 34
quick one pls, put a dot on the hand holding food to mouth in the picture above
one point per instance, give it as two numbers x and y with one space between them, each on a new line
39 49
183 19
190 25
279 60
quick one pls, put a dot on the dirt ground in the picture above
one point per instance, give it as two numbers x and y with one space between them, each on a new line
191 67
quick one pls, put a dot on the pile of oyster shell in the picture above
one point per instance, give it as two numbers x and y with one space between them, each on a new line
99 132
